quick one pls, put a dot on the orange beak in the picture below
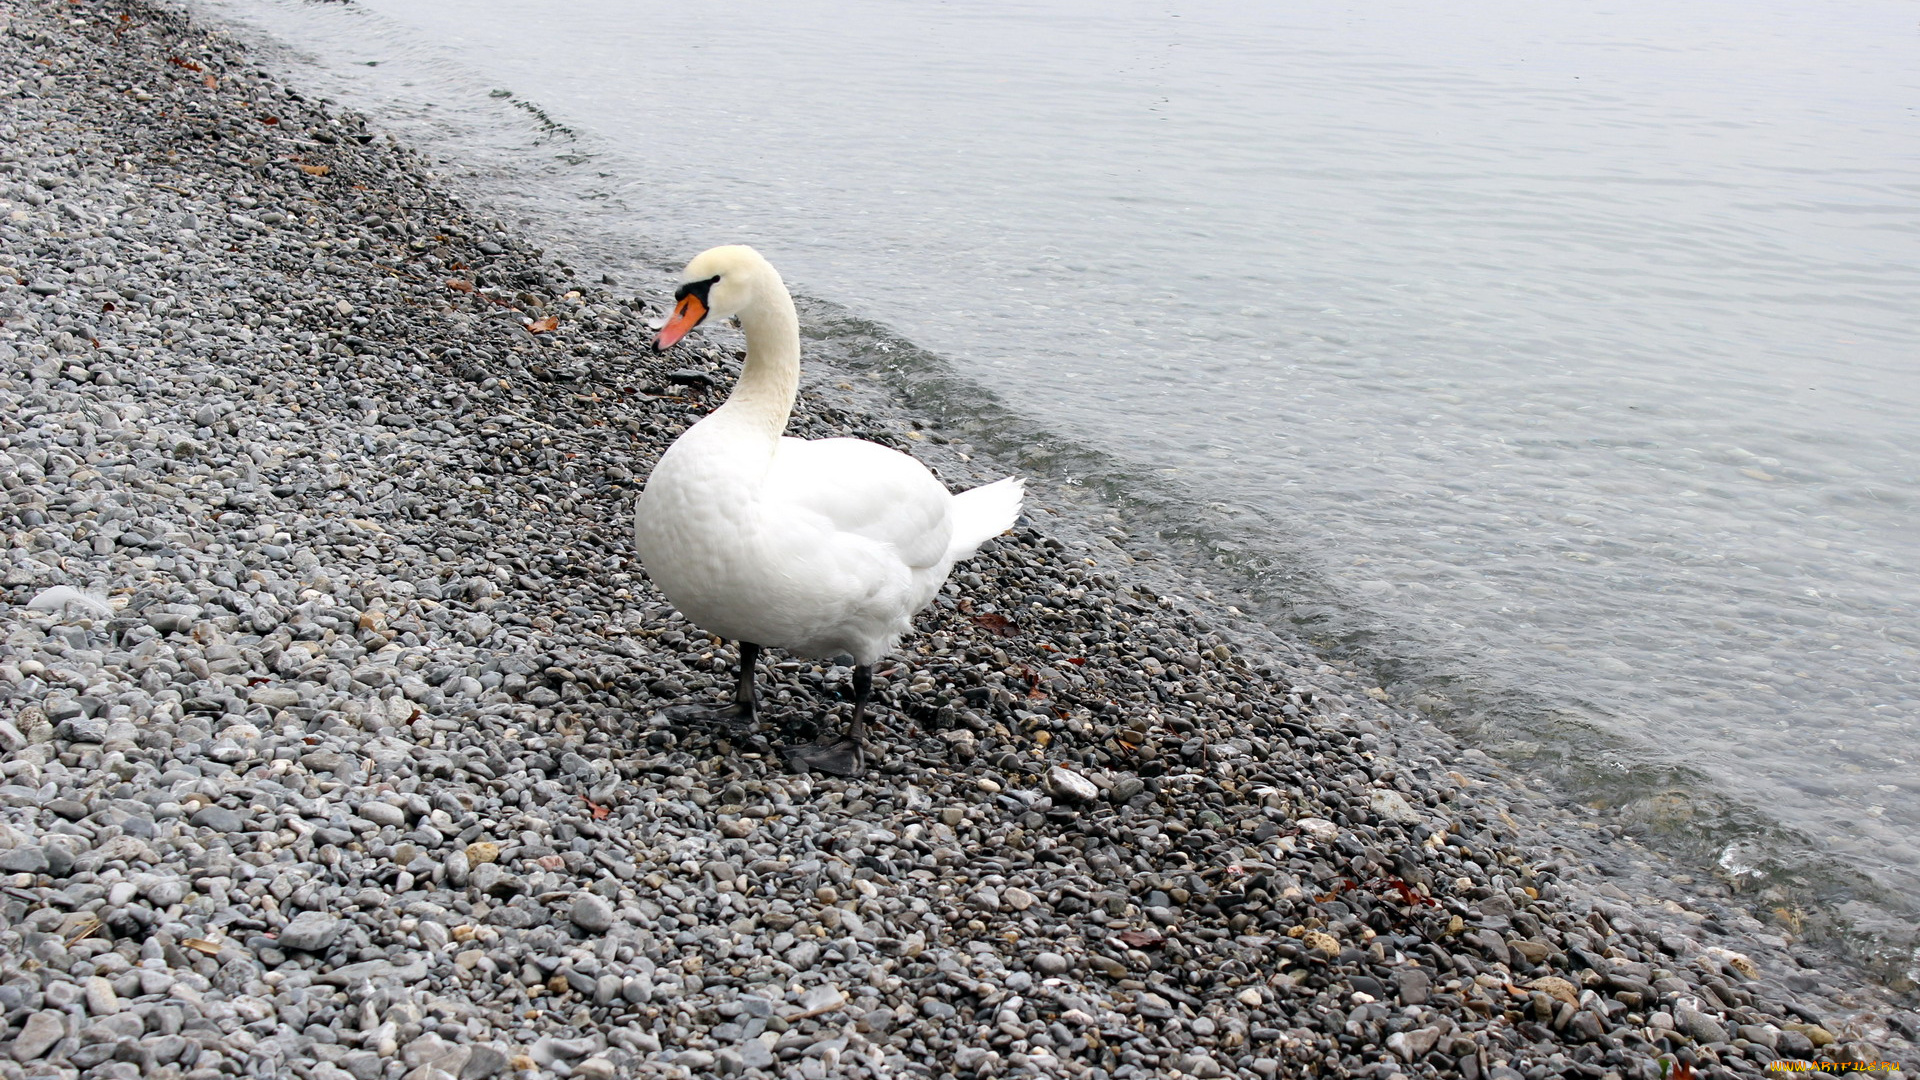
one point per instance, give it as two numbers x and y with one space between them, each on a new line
686 315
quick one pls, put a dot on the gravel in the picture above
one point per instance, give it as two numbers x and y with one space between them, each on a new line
343 752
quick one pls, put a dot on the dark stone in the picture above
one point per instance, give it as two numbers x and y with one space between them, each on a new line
1369 986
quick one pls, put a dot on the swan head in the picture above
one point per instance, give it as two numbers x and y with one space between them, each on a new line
719 283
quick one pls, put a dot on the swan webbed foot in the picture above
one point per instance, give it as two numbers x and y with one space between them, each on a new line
737 719
845 756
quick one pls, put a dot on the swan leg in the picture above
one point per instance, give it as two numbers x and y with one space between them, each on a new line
739 717
847 755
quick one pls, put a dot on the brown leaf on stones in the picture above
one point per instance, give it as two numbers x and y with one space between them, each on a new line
315 170
201 945
599 812
1142 939
544 326
1033 683
998 625
459 286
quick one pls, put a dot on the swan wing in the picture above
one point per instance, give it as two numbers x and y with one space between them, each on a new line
866 490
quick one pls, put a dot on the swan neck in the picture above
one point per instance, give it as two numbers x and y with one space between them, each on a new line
771 375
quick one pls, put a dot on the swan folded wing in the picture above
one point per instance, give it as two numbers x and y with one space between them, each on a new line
866 490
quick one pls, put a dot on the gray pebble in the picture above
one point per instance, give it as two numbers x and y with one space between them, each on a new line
592 913
311 931
37 1036
30 859
218 818
385 814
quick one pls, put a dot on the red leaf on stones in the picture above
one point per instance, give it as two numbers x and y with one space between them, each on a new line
599 812
1407 895
180 62
269 119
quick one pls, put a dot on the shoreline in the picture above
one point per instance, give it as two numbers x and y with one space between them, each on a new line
362 768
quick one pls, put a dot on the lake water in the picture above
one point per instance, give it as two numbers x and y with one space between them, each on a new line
1561 365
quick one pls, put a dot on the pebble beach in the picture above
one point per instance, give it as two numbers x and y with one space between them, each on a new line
334 721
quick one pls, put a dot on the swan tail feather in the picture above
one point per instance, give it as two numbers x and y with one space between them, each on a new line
983 513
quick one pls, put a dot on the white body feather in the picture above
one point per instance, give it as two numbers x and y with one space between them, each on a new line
65 598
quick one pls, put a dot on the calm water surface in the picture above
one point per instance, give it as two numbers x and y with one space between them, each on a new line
1564 365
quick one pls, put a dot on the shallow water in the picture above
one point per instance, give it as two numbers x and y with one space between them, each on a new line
1560 364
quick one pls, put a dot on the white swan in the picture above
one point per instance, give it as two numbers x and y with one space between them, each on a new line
820 547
